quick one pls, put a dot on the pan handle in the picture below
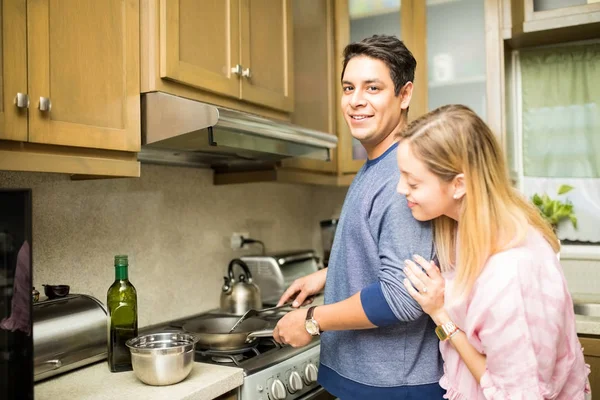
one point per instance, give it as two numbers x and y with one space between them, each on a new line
256 334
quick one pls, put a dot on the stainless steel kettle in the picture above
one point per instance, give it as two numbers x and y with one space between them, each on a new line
239 296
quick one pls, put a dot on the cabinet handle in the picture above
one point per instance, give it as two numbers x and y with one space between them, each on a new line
45 104
247 73
237 69
22 100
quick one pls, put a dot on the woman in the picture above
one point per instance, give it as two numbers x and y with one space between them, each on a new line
501 302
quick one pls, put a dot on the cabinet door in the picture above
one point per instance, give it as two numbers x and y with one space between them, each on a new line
456 54
314 81
354 22
199 44
267 58
13 70
591 351
83 68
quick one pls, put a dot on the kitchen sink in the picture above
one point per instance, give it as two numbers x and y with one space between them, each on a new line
588 309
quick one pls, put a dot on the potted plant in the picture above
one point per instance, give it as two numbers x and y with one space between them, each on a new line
556 210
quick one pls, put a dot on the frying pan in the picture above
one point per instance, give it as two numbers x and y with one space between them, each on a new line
213 333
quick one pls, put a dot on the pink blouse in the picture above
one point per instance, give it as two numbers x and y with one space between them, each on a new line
520 315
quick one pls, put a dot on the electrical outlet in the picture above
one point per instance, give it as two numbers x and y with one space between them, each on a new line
236 240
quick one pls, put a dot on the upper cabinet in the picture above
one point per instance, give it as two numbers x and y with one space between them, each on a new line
14 100
236 48
538 22
70 86
459 53
67 84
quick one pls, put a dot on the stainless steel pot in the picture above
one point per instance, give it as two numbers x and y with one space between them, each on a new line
241 294
213 333
162 359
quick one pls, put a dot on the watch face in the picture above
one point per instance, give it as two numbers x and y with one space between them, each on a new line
312 327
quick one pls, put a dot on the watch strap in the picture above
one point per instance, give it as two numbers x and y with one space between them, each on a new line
446 331
310 312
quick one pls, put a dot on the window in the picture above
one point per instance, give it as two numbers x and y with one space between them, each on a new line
556 110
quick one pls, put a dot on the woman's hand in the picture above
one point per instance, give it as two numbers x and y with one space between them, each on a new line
427 288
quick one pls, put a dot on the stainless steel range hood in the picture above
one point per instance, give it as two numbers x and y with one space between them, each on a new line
179 131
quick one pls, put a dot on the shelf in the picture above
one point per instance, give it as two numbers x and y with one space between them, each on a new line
457 82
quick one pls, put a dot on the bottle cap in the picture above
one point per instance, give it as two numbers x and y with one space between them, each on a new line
121 260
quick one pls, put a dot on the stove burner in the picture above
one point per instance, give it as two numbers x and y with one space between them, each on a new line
229 358
236 356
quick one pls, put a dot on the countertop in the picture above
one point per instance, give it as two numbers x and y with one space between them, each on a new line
587 325
96 382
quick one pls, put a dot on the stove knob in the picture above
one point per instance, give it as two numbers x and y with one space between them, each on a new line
295 382
310 373
278 390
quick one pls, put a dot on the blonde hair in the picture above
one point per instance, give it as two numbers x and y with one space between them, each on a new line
493 215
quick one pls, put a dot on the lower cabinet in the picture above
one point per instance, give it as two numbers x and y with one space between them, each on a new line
591 351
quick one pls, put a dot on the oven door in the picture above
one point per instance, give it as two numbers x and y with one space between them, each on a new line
317 394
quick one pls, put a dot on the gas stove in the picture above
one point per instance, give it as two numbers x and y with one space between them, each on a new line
271 371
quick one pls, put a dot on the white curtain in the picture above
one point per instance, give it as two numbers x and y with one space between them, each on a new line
560 130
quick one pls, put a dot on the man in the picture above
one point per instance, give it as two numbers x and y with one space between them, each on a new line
376 342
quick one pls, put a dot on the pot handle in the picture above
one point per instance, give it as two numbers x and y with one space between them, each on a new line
237 261
256 334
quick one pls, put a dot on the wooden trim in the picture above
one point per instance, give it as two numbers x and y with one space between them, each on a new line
56 159
13 121
414 35
559 13
564 21
346 164
305 163
149 45
555 36
591 345
494 55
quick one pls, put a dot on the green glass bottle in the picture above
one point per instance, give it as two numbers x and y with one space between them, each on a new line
122 317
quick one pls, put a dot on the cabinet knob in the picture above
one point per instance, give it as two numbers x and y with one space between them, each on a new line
22 100
45 104
246 73
237 69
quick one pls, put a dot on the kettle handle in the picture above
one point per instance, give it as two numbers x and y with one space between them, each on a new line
237 261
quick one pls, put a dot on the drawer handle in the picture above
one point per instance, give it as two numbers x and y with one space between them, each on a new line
50 365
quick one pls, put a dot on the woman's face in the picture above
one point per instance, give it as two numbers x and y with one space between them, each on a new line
428 197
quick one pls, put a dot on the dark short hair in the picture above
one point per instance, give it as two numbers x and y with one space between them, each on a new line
391 51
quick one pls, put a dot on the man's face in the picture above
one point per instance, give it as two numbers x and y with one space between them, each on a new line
370 106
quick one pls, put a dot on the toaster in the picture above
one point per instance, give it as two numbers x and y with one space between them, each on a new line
274 273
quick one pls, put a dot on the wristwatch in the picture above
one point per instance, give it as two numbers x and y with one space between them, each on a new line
446 331
311 324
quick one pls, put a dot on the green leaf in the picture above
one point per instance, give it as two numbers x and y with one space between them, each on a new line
573 221
537 200
564 189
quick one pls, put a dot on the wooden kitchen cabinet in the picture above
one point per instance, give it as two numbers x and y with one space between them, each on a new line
70 80
541 22
591 351
13 70
237 48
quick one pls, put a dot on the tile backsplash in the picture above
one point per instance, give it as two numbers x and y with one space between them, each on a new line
174 224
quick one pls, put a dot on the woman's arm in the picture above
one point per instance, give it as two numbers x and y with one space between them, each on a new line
474 360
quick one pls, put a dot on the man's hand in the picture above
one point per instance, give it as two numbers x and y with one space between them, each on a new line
304 287
290 329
